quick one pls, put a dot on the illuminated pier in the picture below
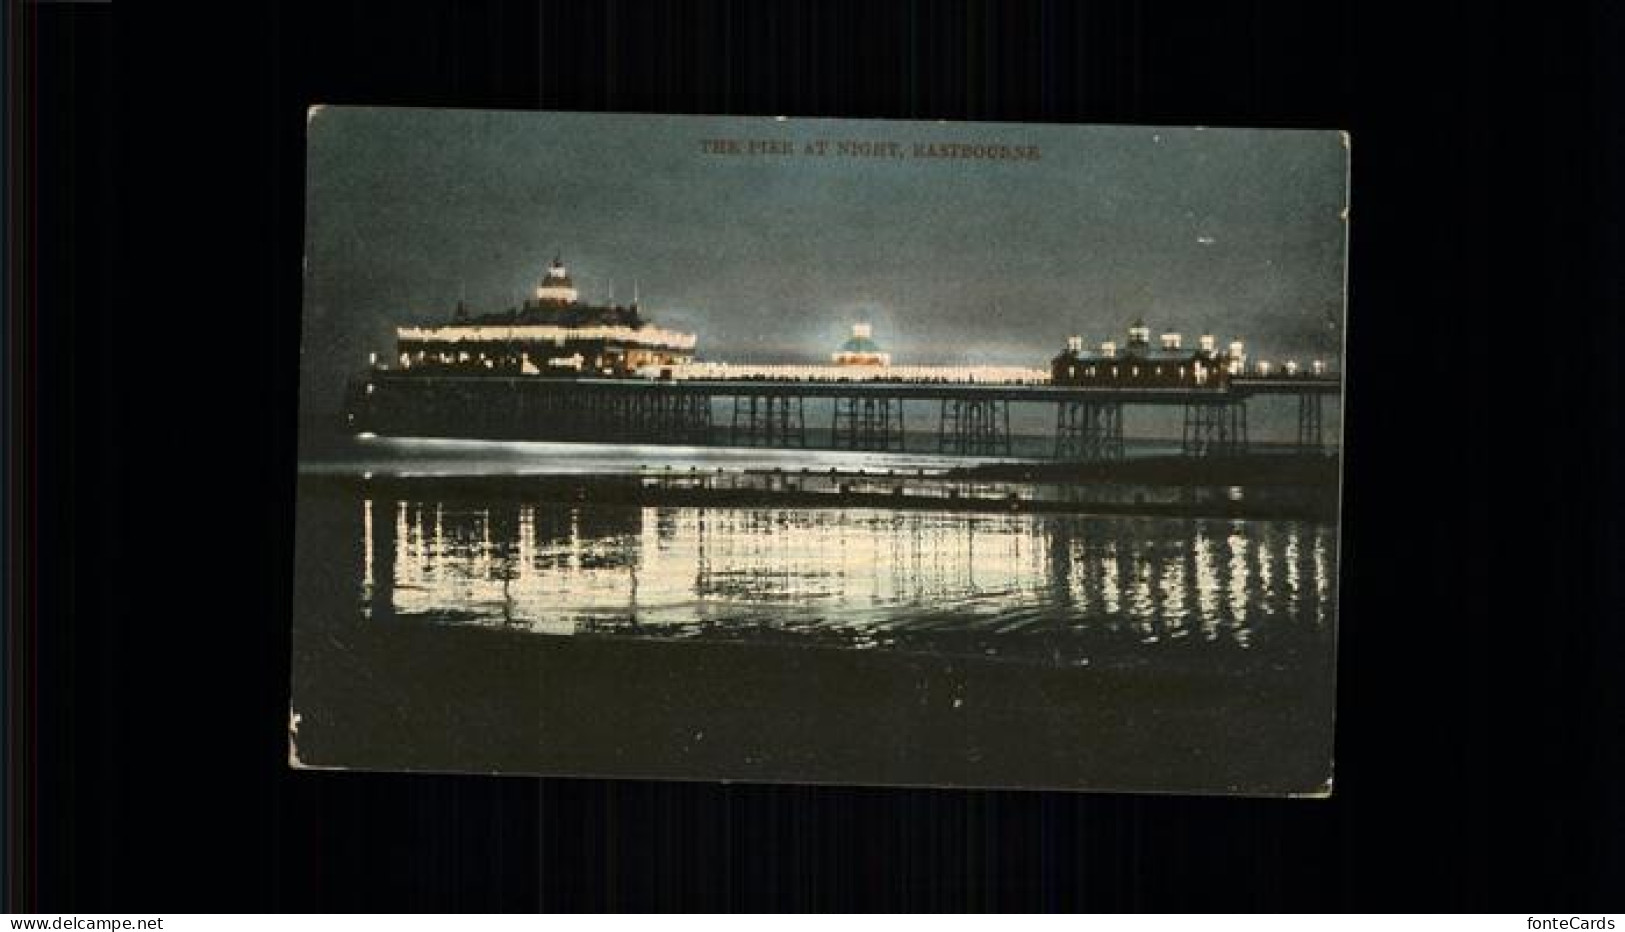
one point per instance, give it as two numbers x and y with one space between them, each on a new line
559 368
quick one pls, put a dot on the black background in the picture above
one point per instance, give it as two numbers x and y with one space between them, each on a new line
1479 717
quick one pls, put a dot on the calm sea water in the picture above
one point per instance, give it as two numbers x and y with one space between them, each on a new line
785 642
1058 589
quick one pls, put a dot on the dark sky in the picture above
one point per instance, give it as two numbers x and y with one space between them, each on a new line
770 257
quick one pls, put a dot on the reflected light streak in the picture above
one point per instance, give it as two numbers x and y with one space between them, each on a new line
1323 578
1238 582
1207 585
366 550
1293 572
1110 594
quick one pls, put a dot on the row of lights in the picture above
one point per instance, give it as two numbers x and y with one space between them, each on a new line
1007 375
1291 367
1207 343
995 374
1199 372
655 337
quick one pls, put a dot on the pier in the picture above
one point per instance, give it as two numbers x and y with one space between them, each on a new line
970 418
515 377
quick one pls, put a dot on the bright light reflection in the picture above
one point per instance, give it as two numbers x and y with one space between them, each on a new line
859 577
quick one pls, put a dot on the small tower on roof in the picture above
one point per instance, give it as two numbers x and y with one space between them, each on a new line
556 287
1139 336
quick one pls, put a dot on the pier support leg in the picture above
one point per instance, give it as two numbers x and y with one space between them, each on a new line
640 415
621 415
1215 428
974 427
868 423
1089 431
741 427
574 414
768 421
696 419
537 409
657 416
1310 436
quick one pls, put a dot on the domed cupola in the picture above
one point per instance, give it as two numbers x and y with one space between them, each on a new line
556 287
861 349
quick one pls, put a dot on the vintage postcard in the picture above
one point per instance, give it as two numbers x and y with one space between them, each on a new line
820 451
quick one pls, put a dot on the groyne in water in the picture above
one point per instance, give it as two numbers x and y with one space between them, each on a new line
862 489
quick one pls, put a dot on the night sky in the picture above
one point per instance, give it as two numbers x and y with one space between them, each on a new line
772 257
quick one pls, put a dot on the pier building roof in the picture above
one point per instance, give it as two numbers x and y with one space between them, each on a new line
860 349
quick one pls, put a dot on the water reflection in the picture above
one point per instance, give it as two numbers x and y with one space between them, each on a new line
1063 588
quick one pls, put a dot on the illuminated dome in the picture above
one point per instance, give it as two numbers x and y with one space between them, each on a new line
556 287
861 349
